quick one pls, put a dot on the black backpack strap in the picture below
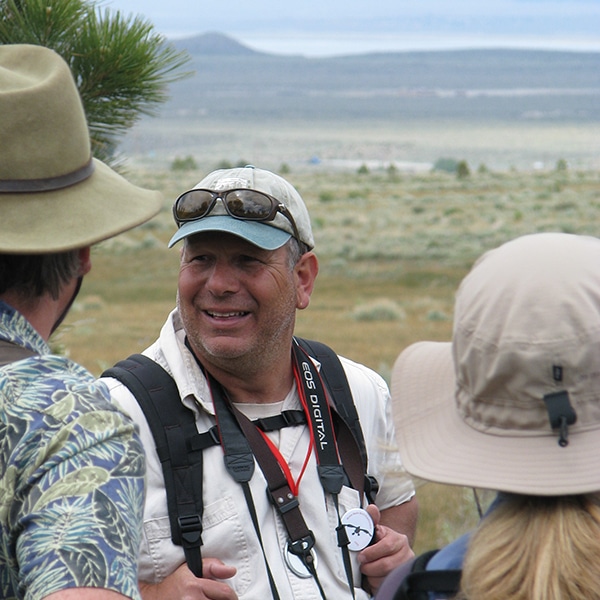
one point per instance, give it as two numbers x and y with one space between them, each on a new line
334 377
178 445
11 352
420 582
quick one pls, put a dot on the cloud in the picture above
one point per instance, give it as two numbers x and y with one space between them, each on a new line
318 18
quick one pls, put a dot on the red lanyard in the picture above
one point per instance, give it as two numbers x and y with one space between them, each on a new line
294 484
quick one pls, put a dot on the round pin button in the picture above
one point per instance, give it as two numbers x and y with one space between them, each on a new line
360 528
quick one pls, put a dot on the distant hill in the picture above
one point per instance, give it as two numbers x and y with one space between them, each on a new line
213 44
233 81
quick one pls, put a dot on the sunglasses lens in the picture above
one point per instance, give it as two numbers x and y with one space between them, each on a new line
249 205
193 205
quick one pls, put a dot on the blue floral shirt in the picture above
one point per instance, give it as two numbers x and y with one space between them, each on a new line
71 476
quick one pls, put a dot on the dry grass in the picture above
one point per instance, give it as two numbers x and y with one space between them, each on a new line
403 241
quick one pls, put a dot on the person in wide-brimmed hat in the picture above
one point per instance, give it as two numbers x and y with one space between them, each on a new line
71 465
513 404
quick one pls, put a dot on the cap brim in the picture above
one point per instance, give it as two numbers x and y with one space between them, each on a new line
102 206
259 234
437 445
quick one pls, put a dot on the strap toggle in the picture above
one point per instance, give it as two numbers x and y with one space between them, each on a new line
561 414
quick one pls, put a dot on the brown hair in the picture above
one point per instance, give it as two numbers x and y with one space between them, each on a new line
33 275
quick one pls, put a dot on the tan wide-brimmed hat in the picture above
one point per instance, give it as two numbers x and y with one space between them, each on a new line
53 195
513 403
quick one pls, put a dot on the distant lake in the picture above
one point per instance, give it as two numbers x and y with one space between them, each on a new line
336 44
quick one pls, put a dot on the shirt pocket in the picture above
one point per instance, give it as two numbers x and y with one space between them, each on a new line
229 536
159 556
226 538
221 522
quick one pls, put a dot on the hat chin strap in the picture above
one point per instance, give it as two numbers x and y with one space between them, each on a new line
68 307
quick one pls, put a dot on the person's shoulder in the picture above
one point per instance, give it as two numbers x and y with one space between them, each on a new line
424 576
51 381
450 556
115 385
359 375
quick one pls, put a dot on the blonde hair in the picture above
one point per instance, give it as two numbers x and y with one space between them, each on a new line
536 548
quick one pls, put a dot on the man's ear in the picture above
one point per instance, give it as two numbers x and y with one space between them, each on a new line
85 260
306 271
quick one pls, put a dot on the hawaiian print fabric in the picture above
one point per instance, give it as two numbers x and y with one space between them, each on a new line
71 476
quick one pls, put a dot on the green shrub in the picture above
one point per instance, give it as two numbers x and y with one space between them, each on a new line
184 164
437 315
561 165
449 165
382 309
462 170
326 196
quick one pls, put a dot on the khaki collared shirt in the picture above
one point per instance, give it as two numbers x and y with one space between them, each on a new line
228 531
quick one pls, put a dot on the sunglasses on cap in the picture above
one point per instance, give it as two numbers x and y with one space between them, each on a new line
244 204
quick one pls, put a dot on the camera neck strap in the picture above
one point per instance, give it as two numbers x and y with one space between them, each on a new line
242 441
314 400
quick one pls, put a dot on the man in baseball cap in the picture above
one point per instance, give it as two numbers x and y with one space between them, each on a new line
247 265
71 465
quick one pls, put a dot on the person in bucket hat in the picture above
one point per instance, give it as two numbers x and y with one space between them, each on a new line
512 404
71 464
247 264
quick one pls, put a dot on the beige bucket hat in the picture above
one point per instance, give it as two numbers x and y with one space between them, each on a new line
53 195
513 403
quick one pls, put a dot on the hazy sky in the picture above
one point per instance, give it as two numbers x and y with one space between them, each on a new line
325 27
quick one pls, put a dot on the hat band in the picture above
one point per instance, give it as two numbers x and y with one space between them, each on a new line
47 184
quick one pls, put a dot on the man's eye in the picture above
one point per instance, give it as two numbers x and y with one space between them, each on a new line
249 259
